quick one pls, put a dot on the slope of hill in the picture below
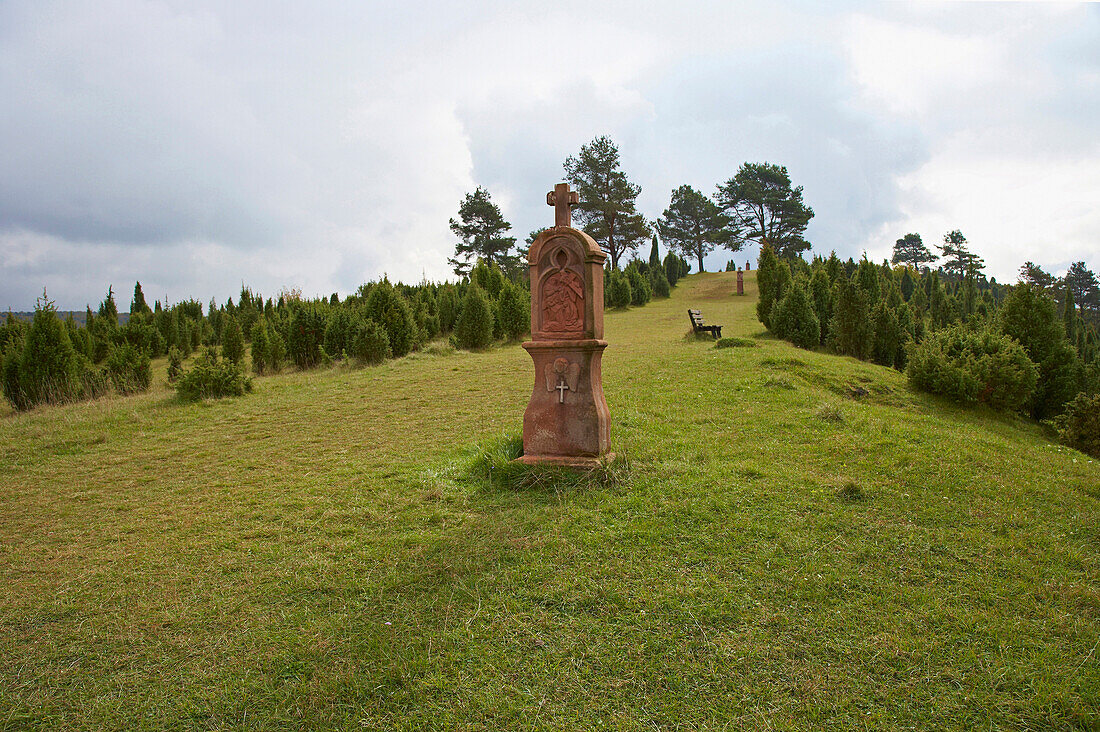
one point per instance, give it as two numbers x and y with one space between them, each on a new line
798 541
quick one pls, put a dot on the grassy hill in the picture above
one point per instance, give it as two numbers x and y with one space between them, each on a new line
794 540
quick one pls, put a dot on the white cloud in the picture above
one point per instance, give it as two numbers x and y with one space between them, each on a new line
1011 207
913 69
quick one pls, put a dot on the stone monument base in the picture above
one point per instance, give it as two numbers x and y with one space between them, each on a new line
566 422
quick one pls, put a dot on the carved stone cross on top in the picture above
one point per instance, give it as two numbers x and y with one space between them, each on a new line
561 198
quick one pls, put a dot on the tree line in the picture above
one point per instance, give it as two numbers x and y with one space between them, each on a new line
758 204
954 332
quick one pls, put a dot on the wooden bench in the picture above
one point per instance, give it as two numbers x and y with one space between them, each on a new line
698 326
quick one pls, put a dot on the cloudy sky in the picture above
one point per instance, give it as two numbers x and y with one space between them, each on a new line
194 146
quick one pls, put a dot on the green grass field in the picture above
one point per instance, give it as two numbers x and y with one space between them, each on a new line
774 552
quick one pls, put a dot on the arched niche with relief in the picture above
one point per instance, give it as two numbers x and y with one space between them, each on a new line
566 268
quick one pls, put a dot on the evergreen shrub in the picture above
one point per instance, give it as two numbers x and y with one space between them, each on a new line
211 377
93 381
767 274
307 333
640 293
9 376
659 282
426 319
388 307
793 318
128 369
44 370
278 350
447 307
1030 316
888 338
474 330
969 367
618 290
672 268
338 332
175 364
232 340
851 332
1079 425
370 344
261 346
514 313
400 326
821 290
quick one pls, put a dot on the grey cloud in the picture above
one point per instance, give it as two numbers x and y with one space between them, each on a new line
193 145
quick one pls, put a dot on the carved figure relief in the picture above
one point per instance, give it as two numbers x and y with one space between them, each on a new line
562 300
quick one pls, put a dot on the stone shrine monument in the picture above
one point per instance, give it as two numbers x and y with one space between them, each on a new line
740 282
566 422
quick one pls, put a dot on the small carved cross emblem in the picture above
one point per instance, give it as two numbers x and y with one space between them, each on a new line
561 198
565 374
562 387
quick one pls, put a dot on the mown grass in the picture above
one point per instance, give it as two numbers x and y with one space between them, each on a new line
788 540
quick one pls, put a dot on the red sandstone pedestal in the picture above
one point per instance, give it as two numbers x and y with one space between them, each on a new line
567 421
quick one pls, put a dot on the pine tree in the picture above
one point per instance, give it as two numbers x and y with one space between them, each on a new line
766 209
695 225
480 231
607 209
959 261
910 250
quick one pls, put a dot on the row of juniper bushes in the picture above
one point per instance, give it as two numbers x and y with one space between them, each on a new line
51 361
1014 348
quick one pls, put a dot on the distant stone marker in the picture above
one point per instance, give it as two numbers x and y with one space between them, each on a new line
566 422
740 282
